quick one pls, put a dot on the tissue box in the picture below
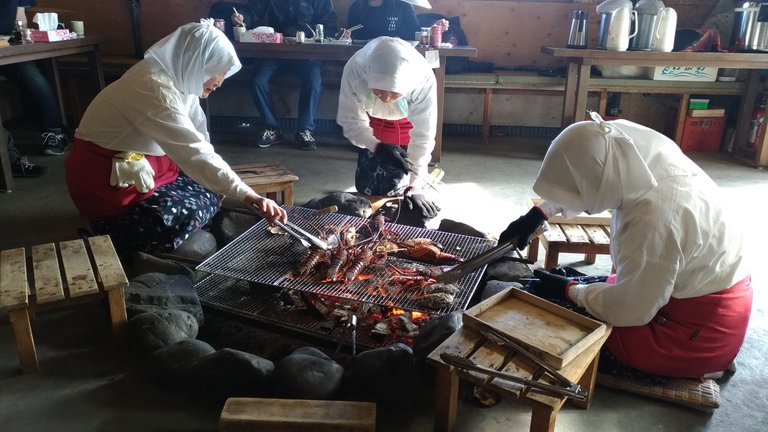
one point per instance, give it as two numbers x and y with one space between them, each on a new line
50 35
683 73
251 36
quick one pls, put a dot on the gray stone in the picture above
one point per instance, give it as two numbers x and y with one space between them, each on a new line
383 375
506 270
157 292
165 360
305 374
455 227
151 331
347 204
140 263
227 225
197 247
493 287
226 373
434 332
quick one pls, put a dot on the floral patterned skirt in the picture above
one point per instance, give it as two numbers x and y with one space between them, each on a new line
162 221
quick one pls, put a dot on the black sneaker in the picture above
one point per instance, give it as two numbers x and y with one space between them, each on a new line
23 168
54 142
306 140
269 137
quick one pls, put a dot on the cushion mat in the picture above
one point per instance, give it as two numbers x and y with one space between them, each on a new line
702 394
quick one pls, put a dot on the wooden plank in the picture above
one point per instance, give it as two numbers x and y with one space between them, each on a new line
289 415
554 334
13 279
596 235
45 263
264 173
574 234
446 398
554 234
603 218
77 269
108 267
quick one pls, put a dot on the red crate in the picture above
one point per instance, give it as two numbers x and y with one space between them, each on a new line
702 134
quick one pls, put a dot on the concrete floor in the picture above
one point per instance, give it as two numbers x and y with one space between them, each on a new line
86 385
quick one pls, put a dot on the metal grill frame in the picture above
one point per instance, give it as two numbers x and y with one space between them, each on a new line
268 259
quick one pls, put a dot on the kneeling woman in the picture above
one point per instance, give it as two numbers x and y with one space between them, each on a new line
142 168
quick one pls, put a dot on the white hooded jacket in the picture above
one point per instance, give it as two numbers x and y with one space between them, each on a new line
390 64
154 108
671 233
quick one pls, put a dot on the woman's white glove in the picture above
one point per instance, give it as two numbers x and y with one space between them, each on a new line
132 169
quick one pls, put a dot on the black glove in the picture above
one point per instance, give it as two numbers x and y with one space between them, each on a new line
523 228
549 285
392 156
422 204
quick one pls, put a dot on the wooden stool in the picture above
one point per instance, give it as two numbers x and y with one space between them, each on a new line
294 415
90 271
469 343
584 233
268 178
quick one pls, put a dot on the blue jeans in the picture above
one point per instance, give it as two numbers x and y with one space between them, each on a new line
37 92
308 72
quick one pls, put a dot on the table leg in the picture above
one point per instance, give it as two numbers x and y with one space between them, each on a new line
553 255
487 105
582 91
587 382
446 398
57 87
25 342
533 249
543 418
6 175
440 78
745 112
571 88
118 315
682 113
589 258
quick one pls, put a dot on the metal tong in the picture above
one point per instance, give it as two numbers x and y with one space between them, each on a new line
307 240
566 387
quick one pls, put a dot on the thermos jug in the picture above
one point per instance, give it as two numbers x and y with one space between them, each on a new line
645 23
664 36
615 24
578 38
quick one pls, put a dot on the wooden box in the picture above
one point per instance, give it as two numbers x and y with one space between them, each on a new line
551 332
603 218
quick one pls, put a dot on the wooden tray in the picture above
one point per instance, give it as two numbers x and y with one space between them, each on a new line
603 218
551 332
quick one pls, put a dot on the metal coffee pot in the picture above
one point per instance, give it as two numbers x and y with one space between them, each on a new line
648 12
577 38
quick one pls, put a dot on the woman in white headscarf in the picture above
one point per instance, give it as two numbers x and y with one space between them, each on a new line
387 105
682 295
143 169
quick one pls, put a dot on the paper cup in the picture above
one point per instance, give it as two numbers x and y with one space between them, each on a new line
77 27
237 32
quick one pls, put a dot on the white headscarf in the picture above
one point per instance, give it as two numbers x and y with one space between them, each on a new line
194 53
592 167
393 65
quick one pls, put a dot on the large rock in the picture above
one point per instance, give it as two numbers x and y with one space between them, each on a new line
228 225
307 373
434 332
507 270
140 263
493 287
150 331
197 247
455 227
157 292
164 361
383 375
227 373
347 204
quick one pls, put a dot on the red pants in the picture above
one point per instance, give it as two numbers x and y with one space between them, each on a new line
396 132
688 337
88 168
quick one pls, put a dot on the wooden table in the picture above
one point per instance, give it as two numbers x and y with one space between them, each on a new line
90 45
468 342
342 53
580 61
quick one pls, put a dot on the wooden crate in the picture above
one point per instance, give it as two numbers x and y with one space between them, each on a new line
551 332
269 179
295 415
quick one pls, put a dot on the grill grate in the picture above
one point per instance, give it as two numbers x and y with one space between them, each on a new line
267 259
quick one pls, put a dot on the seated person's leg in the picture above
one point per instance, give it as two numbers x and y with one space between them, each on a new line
309 72
21 167
262 98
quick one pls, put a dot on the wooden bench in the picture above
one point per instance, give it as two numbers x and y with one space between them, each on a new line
502 82
268 178
587 234
55 276
295 415
469 343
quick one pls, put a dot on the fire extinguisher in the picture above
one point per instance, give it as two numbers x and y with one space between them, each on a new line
757 126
